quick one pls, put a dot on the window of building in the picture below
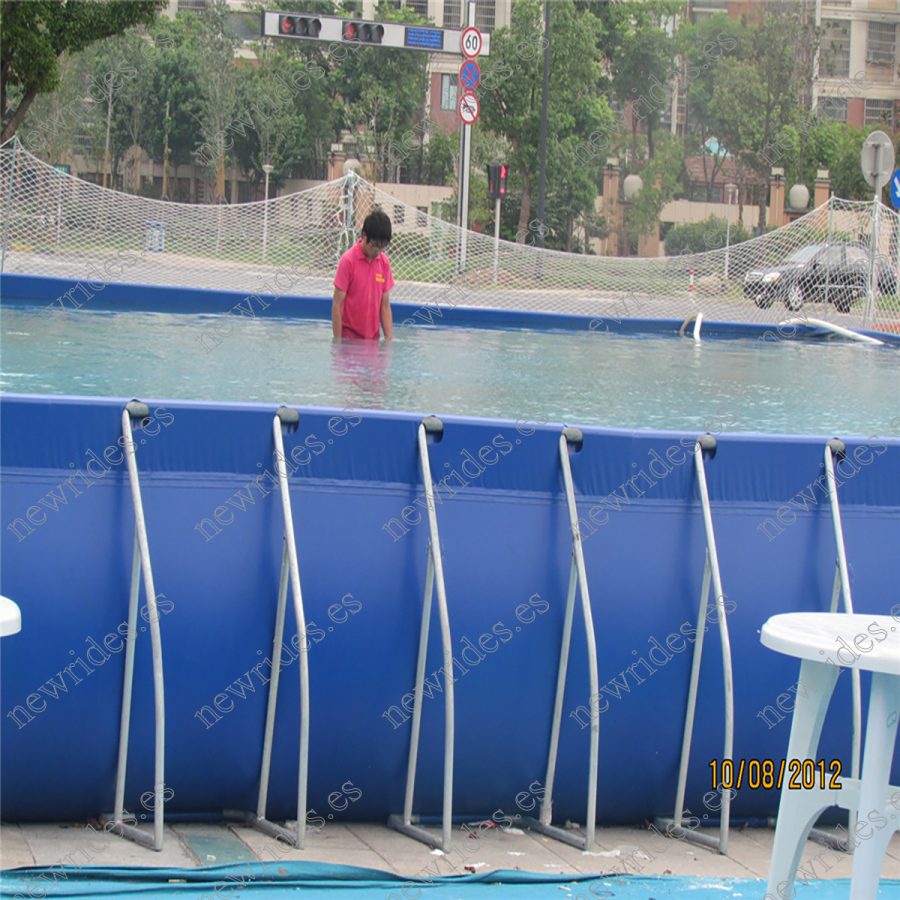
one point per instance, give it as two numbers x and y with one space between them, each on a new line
834 49
448 91
191 5
419 7
882 43
485 14
399 214
421 216
880 112
452 13
834 108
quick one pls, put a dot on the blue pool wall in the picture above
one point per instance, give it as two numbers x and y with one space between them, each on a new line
361 540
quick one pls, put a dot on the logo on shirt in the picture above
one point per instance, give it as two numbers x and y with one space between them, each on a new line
379 278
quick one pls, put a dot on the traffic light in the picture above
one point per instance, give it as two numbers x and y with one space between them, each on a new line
362 32
497 175
299 26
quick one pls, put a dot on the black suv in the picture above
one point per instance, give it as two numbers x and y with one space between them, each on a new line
832 273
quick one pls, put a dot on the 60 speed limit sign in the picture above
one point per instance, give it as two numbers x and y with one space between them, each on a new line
468 108
471 42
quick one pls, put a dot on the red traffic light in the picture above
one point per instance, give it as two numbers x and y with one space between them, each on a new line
364 32
497 178
299 26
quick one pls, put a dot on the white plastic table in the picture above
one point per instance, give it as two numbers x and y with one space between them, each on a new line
827 642
10 617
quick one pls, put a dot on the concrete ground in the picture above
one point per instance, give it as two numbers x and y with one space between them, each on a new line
617 850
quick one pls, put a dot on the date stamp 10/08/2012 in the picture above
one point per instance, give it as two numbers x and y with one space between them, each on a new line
765 774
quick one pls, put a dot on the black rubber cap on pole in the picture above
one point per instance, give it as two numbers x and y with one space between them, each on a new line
433 425
137 409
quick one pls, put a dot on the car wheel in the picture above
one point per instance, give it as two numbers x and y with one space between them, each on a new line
794 298
763 301
844 299
887 284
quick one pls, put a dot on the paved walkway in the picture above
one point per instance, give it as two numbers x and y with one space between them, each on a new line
617 850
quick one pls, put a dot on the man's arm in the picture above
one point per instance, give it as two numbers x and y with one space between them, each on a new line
337 312
387 317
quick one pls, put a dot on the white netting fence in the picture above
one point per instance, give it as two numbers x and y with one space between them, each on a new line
819 266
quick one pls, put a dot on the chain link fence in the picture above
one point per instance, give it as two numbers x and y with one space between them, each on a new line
838 263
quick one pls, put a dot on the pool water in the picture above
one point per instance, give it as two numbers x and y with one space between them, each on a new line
584 378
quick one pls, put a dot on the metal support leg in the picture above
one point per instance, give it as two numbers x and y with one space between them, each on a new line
289 574
711 575
577 581
841 593
140 564
434 578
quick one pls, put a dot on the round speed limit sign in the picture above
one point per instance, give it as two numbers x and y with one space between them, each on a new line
471 42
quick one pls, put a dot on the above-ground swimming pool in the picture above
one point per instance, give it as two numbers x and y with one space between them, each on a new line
215 531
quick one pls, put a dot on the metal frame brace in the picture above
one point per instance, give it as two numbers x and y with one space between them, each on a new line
140 565
841 591
434 578
285 417
704 444
571 439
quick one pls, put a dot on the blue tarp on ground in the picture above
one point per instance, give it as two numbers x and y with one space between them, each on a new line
282 880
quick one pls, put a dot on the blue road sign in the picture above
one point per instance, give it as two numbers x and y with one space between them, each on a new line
469 75
895 189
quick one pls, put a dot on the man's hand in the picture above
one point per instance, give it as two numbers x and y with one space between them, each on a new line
337 313
387 317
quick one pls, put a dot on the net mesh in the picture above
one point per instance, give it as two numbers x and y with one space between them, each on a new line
56 224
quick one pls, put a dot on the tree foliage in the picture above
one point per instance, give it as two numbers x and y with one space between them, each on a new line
511 107
37 33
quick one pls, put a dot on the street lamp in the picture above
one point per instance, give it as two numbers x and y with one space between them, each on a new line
267 168
731 195
631 185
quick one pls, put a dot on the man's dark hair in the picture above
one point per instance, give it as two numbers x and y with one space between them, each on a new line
377 226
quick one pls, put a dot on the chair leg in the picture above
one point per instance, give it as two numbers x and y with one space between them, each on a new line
798 811
881 734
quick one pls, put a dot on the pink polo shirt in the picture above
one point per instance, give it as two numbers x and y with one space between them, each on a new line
364 281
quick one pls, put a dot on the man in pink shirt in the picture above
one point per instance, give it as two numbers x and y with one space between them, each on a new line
362 284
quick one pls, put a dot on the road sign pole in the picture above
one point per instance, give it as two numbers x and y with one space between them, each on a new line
464 156
877 161
873 254
496 237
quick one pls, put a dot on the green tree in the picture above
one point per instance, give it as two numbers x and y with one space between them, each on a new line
35 35
383 90
511 107
756 96
702 46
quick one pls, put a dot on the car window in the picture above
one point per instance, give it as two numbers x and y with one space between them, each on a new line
804 254
856 256
833 256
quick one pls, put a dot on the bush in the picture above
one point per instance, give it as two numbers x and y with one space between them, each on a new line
698 237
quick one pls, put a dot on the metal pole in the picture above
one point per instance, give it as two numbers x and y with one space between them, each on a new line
464 211
9 198
465 157
545 90
873 253
267 168
496 237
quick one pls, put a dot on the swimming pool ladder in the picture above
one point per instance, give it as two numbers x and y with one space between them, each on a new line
434 579
140 565
704 444
841 591
570 439
285 417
